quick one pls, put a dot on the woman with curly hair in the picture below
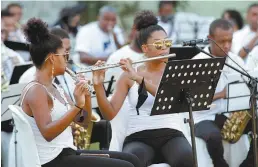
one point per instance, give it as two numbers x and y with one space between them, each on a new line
50 111
146 136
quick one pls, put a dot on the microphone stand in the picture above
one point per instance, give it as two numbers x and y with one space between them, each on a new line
252 85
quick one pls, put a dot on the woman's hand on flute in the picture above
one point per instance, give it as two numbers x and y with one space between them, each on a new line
80 93
126 65
81 77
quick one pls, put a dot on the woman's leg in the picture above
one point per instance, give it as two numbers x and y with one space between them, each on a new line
144 152
88 161
178 152
116 155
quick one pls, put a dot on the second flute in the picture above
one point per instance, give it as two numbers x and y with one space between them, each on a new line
95 68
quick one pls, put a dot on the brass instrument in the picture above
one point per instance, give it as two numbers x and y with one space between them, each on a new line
106 66
235 125
82 135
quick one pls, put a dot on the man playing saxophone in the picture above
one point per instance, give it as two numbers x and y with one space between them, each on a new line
209 123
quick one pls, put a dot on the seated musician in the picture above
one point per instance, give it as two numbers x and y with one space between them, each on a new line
207 124
147 136
50 111
66 82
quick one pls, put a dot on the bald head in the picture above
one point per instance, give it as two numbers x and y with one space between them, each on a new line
106 9
107 18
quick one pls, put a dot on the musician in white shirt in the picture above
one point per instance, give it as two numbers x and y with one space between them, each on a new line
245 39
97 40
206 127
65 81
9 58
132 51
252 61
166 18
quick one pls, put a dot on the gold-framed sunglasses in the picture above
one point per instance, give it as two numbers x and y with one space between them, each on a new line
159 44
66 55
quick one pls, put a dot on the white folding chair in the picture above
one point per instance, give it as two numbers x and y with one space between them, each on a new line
25 153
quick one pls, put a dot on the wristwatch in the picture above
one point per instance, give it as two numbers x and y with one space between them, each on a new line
246 49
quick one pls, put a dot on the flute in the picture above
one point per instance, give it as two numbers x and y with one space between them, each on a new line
74 77
95 68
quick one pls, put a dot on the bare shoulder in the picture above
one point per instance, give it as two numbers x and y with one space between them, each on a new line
35 93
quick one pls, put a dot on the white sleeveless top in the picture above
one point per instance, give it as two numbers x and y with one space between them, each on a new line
144 121
48 151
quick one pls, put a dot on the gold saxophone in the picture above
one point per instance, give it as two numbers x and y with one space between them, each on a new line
235 125
82 135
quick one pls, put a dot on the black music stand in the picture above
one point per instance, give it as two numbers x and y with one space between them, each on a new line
18 71
183 52
186 86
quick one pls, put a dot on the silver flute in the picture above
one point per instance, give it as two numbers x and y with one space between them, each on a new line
106 66
74 77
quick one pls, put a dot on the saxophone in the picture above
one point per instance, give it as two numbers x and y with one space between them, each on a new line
235 125
82 135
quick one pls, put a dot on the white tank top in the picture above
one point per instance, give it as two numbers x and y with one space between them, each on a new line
144 121
48 151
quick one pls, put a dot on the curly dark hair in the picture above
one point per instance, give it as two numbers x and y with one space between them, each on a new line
146 23
42 41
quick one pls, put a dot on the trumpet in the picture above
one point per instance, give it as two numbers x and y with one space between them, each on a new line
74 77
107 66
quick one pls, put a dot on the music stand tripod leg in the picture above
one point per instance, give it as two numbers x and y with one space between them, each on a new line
253 88
189 101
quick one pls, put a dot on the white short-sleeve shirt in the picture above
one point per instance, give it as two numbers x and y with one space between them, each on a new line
95 42
122 53
241 38
252 59
219 105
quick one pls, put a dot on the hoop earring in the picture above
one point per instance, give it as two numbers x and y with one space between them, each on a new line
53 70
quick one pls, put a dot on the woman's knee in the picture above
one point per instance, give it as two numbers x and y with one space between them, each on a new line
184 158
144 153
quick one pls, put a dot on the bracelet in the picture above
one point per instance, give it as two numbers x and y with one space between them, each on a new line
247 50
78 107
81 112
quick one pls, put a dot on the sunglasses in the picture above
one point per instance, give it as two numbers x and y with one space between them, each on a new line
159 44
66 55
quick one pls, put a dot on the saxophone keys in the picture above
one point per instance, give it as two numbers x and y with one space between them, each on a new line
234 128
77 133
81 129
